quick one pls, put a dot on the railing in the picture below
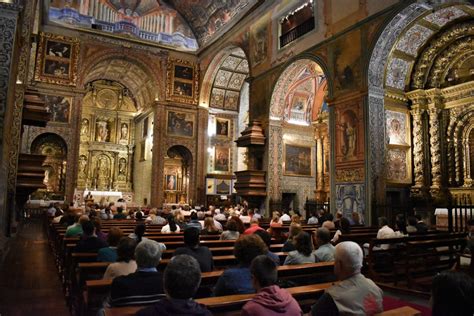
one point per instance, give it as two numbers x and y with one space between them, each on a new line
296 32
459 216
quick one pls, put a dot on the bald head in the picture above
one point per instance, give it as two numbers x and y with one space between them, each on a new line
348 259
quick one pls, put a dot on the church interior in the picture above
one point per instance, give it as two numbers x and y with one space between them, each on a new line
293 106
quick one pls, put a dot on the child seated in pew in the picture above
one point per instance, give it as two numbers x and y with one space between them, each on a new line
181 281
238 280
125 263
270 299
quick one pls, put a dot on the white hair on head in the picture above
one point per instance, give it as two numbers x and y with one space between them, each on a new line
350 255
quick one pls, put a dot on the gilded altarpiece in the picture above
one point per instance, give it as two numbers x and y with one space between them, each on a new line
106 142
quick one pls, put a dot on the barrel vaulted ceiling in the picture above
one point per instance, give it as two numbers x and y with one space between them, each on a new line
182 24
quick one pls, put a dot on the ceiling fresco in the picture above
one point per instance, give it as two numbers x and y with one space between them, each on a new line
210 18
182 24
148 20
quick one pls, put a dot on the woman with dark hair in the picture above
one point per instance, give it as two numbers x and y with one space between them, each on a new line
304 250
345 228
125 259
401 224
288 246
138 233
171 227
452 294
109 254
231 232
98 229
239 280
240 224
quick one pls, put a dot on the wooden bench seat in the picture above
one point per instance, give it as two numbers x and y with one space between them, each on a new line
233 303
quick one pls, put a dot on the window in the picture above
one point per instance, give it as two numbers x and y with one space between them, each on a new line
296 23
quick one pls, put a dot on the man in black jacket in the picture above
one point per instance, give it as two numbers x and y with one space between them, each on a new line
89 242
145 286
182 278
192 248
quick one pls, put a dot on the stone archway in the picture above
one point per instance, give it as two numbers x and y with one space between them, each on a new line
390 77
287 115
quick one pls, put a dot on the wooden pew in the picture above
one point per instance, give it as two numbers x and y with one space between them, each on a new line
401 311
233 303
97 290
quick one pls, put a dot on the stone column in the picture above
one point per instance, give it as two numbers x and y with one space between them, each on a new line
201 158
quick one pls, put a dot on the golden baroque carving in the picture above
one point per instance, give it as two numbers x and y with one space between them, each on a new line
421 69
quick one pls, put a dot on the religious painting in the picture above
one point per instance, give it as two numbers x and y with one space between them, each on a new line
182 81
102 131
180 124
350 198
398 165
171 182
222 127
346 52
59 107
259 40
223 186
222 159
57 59
298 160
349 133
124 132
210 186
397 127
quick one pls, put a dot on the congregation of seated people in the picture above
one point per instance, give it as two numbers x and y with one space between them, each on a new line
137 280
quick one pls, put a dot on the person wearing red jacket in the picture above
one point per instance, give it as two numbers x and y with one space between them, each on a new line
270 300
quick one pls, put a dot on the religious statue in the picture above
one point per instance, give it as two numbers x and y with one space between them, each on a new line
102 131
349 140
171 185
82 166
122 166
84 127
124 132
102 173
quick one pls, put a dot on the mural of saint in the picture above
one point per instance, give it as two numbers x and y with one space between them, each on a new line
171 182
102 132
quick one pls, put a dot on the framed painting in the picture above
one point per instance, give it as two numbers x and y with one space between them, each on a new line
222 127
57 59
298 160
171 182
222 159
182 81
180 124
59 107
223 186
210 186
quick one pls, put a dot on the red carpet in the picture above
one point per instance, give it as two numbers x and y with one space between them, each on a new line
392 303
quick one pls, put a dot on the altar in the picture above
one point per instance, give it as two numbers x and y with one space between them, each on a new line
100 197
442 217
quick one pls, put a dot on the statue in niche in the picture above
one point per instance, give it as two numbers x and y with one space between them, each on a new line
124 131
82 166
349 140
103 173
84 127
102 131
122 166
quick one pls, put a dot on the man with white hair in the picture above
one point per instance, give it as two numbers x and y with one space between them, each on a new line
354 294
219 215
145 286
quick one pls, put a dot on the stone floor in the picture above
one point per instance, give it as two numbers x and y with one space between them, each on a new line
29 284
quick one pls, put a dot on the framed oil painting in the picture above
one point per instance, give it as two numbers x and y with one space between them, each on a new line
180 124
210 186
171 182
222 127
222 159
223 186
57 59
298 160
182 81
59 107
